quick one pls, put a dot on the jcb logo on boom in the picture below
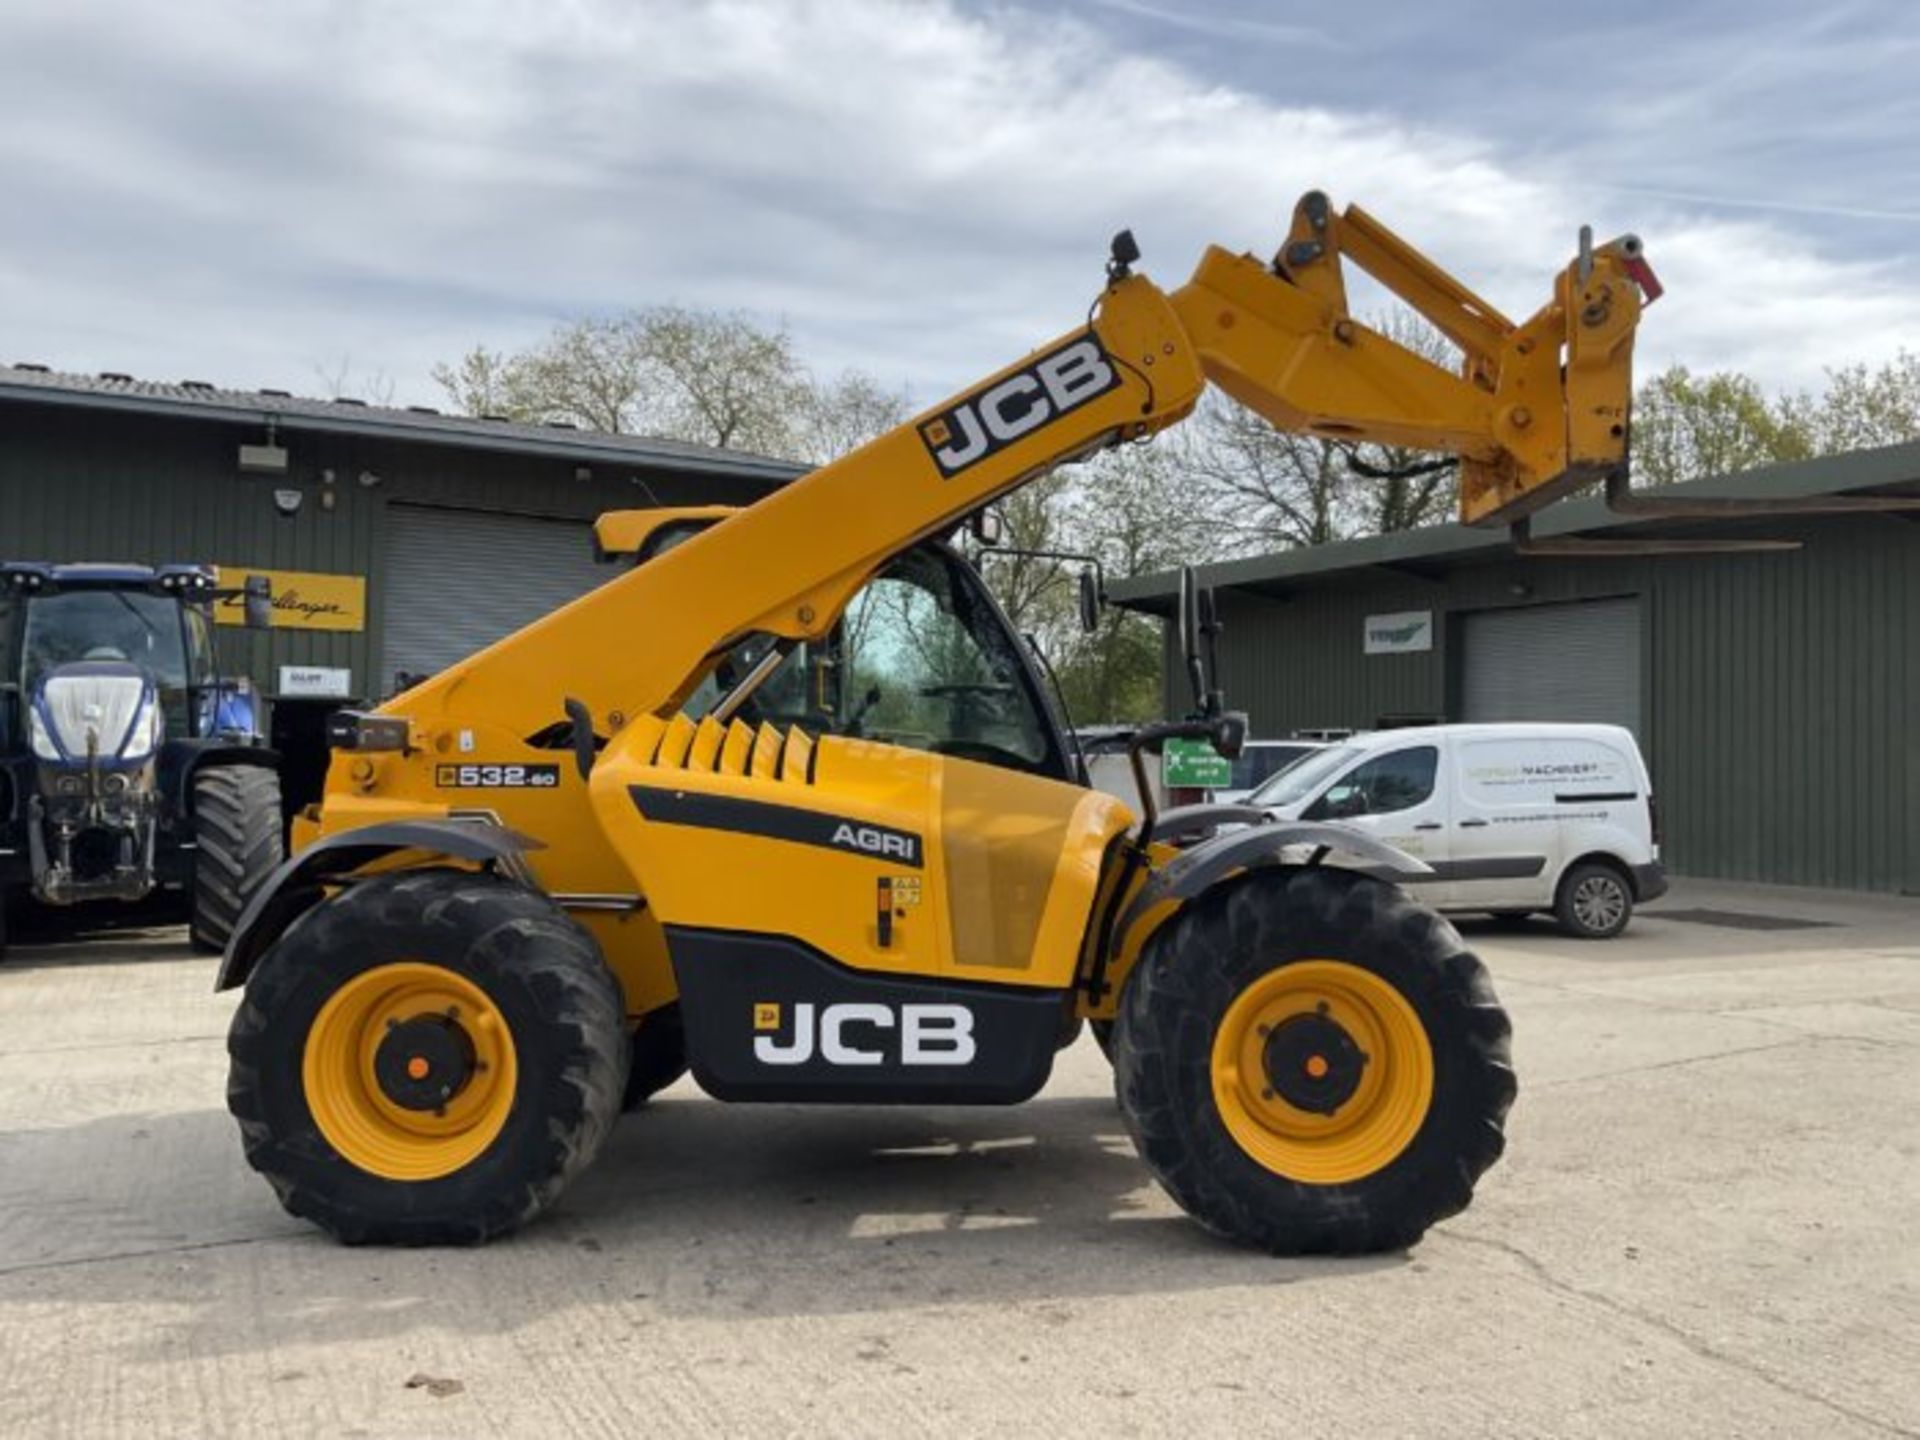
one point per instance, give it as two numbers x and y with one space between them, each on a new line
856 1034
981 424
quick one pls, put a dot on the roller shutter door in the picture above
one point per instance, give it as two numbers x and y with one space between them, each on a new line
457 580
1578 662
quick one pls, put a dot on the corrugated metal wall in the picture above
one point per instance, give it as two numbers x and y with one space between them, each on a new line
1781 692
85 485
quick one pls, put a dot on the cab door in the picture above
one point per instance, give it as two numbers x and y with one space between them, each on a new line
1397 798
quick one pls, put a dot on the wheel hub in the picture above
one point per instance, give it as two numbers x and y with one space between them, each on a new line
424 1062
1312 1063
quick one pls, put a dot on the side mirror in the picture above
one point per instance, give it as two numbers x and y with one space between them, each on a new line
1343 802
257 601
986 526
1230 734
1090 601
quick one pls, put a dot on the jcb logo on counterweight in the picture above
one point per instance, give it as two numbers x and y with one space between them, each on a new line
981 424
857 1034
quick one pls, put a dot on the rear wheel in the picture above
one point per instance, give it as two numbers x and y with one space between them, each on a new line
1595 901
237 845
428 1058
1310 1063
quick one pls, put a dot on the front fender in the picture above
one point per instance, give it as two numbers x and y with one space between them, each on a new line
301 881
1193 870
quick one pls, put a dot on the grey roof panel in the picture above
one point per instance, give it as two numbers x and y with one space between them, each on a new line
109 391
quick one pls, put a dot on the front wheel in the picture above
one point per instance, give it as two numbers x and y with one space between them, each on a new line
1595 901
1309 1062
429 1057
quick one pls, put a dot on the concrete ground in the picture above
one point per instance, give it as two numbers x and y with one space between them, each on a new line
1708 1223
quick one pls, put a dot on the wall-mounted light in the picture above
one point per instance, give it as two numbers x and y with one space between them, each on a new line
287 502
368 480
268 458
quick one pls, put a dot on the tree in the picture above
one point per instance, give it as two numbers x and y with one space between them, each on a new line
1862 407
1685 428
702 376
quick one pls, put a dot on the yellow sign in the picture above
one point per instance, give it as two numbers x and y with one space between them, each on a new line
302 600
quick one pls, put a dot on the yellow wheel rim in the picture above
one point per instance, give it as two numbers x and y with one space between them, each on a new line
1322 1072
409 1071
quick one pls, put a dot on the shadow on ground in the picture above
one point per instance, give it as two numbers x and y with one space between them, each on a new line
695 1210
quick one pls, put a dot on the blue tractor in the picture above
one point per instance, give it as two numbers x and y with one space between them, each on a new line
128 762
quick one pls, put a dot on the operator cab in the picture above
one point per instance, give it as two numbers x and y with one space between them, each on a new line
923 657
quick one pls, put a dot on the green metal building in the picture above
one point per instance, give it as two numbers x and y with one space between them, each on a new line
397 540
1776 695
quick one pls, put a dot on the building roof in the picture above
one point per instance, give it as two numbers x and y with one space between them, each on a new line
35 384
1894 469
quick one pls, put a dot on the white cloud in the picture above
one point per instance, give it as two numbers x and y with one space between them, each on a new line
211 190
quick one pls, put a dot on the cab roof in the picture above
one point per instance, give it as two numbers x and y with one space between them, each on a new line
38 575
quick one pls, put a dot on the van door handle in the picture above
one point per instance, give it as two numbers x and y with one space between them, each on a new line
1428 825
1473 824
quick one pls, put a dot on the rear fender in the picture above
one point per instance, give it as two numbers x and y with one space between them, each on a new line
1194 870
301 882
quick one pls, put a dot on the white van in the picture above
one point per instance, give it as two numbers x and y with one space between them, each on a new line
1512 818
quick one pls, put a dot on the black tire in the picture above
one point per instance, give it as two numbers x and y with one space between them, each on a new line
1594 902
1103 1037
563 1010
238 842
659 1057
1192 971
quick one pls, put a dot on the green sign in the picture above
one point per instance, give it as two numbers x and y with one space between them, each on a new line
1196 765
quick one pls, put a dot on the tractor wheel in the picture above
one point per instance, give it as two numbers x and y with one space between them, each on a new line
1595 901
659 1057
1310 1063
427 1058
237 845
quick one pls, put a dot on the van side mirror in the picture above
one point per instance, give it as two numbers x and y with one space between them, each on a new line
1090 601
256 598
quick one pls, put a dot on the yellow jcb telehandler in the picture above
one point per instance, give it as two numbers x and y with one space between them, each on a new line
786 803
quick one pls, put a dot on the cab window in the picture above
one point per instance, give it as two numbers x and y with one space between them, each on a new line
1399 780
919 659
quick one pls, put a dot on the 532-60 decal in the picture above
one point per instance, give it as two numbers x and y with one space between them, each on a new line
496 777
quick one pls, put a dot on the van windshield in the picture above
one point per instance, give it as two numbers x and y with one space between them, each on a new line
1304 777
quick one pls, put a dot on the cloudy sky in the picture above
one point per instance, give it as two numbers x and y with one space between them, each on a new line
254 195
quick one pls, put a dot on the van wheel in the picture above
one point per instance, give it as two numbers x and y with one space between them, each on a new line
1310 1063
1595 901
